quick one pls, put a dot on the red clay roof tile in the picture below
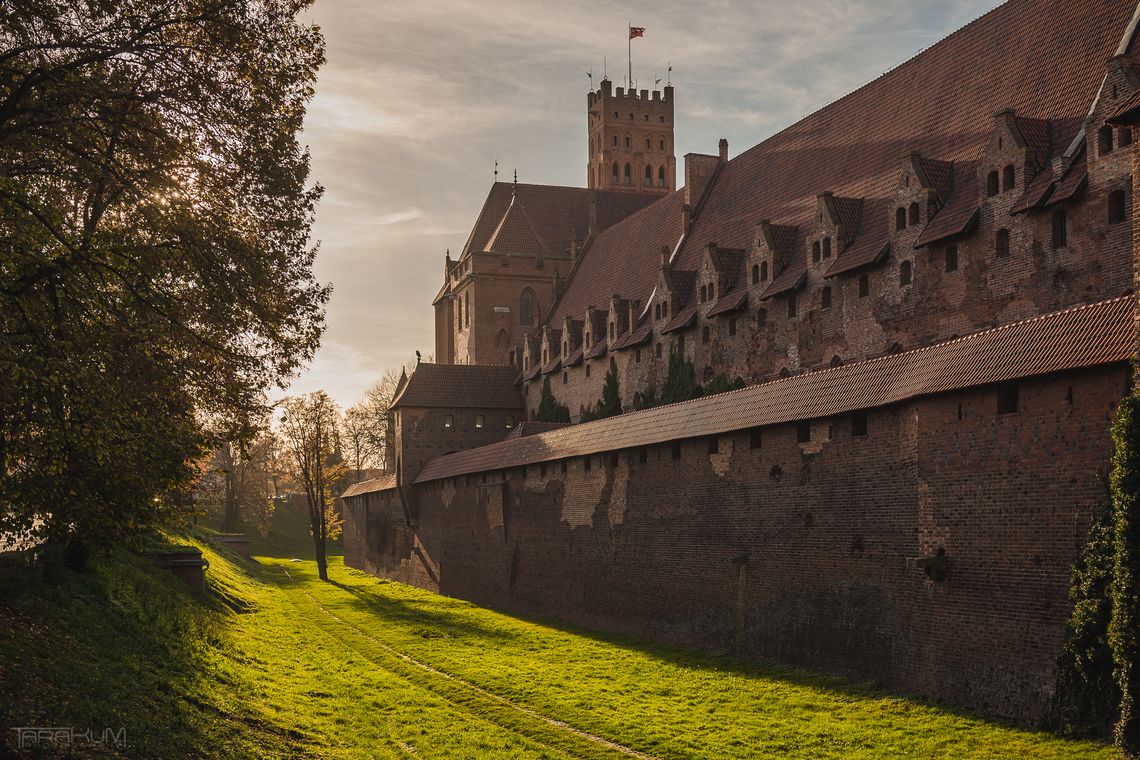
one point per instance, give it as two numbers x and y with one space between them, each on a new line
1093 335
462 386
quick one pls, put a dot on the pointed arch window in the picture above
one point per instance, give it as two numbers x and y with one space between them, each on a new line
628 174
648 175
1104 140
627 142
825 298
900 218
617 170
661 175
815 251
993 184
906 273
914 213
755 274
527 307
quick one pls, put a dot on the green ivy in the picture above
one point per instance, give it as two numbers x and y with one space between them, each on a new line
681 382
1122 635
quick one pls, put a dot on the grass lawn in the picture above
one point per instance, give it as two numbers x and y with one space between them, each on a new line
275 663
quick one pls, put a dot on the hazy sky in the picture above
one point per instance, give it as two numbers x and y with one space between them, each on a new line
419 98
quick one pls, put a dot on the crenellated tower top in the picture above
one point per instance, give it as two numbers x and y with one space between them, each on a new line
631 139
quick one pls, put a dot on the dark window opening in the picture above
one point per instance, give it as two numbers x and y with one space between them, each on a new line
906 273
1069 395
586 464
825 298
859 424
914 214
763 271
1117 209
1104 140
657 351
755 438
803 432
827 248
587 370
675 450
952 258
1124 136
565 378
1008 178
993 186
791 305
1007 397
864 286
643 455
755 273
815 251
900 218
1060 229
1001 243
714 444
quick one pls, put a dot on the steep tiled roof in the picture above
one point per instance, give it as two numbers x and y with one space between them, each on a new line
516 234
939 175
1044 58
788 280
959 215
557 214
623 261
461 386
382 483
1086 336
681 321
730 301
1073 182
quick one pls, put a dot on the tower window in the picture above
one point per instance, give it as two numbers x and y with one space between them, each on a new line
906 273
815 251
565 378
705 334
1060 228
951 258
627 142
763 271
628 174
1124 136
1001 243
827 248
648 175
662 145
661 176
900 218
825 298
617 173
755 274
1008 178
914 213
864 286
704 293
656 312
1104 140
648 143
992 184
1117 210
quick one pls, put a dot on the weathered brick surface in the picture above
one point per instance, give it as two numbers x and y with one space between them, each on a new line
654 548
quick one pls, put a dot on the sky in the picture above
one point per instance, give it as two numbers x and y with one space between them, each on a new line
419 99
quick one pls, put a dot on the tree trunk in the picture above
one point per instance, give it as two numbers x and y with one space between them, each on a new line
322 562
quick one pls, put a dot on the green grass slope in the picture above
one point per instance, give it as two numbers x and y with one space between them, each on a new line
273 663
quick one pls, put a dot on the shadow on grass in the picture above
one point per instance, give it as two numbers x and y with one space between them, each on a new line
125 649
427 615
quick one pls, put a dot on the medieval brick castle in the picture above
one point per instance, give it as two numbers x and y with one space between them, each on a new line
925 289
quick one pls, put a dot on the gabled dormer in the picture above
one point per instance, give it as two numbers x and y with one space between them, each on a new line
773 251
719 272
571 335
925 185
835 226
1107 145
617 321
1018 148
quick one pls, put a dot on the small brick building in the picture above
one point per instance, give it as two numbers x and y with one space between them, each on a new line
927 288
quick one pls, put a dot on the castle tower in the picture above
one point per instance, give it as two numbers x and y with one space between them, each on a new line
631 140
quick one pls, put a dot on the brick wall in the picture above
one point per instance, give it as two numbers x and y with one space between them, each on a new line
797 552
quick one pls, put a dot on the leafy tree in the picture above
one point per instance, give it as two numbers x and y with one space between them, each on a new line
309 428
237 481
155 267
681 382
356 440
721 384
549 408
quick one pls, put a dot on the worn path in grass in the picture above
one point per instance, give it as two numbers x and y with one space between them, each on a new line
557 691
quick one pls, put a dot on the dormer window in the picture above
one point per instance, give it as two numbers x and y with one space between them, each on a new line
900 219
755 274
1008 178
656 312
815 249
704 294
914 213
993 184
544 356
763 271
827 248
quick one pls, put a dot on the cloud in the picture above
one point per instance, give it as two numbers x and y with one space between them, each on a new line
418 100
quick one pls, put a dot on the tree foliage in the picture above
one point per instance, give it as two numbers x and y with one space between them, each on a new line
549 408
610 403
1123 637
681 382
239 482
309 426
155 266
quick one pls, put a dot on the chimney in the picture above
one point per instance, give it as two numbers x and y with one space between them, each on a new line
665 255
573 252
592 206
686 215
723 149
699 169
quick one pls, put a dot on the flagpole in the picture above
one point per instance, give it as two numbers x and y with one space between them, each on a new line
629 57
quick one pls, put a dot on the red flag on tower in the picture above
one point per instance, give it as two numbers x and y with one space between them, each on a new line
636 31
